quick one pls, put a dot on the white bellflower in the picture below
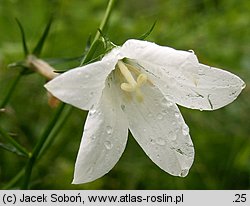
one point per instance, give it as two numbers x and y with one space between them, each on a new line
136 87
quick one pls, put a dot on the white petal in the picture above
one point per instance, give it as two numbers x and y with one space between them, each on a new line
160 130
181 78
195 85
104 140
151 52
82 87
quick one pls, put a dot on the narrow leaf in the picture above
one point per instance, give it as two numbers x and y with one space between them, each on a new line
25 48
145 35
37 50
14 143
58 61
11 149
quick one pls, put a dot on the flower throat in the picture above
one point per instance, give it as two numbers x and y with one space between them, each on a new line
132 85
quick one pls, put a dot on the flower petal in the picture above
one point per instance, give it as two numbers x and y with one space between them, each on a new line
181 78
151 52
104 139
160 130
82 87
195 85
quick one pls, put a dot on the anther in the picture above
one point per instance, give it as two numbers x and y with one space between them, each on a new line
141 79
127 74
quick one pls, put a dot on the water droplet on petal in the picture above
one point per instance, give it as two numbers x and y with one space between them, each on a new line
92 111
93 137
170 104
86 76
185 130
109 130
184 172
243 86
150 114
159 116
152 141
177 115
108 145
160 141
172 135
158 156
123 107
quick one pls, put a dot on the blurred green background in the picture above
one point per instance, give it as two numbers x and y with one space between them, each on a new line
218 32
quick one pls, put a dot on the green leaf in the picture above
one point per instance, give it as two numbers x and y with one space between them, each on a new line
25 48
37 50
12 149
14 143
145 35
21 65
57 61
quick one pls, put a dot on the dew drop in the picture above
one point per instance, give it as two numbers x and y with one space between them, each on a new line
185 130
152 141
243 86
159 116
108 145
172 136
177 115
158 156
86 76
123 107
170 104
109 130
160 141
92 111
150 114
93 137
184 172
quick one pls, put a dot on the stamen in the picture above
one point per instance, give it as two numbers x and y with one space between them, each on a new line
142 79
132 85
127 87
127 74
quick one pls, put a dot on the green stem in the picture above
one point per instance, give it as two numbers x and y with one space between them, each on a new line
19 147
11 90
14 180
39 145
64 117
102 27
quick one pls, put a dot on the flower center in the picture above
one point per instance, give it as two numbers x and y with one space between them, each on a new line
132 85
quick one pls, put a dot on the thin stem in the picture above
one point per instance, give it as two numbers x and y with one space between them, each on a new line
64 117
39 145
14 180
102 27
11 90
19 147
47 135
